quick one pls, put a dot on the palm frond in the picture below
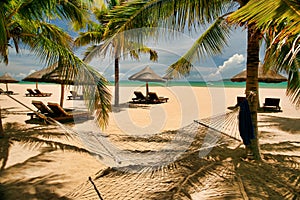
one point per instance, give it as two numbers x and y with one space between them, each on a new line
270 13
170 14
209 43
73 68
94 34
283 56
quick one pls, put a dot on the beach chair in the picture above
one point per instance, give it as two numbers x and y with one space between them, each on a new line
140 98
41 108
6 92
153 98
271 103
43 94
74 95
61 114
31 93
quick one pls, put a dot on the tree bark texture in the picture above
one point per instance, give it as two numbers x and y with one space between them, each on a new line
116 81
252 83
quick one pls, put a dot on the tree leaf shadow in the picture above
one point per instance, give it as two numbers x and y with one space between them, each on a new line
291 125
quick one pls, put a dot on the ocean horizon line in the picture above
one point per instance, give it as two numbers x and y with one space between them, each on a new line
227 84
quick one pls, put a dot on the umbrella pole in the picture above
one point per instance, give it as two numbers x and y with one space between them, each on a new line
36 85
147 89
6 87
62 91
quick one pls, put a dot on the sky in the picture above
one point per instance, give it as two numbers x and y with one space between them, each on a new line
226 65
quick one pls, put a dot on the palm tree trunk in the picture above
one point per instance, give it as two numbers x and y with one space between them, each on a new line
1 126
252 83
116 81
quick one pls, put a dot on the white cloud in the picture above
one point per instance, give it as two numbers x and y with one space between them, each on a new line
20 75
229 68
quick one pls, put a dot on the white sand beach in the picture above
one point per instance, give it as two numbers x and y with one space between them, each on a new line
39 172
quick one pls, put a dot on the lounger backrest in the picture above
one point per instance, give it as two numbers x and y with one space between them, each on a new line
153 96
41 107
272 101
139 95
30 91
37 91
240 99
57 109
74 93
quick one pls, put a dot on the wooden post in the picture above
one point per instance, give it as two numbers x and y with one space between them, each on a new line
62 92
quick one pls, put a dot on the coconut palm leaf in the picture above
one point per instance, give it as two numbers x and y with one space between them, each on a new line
170 14
18 15
211 42
92 35
270 13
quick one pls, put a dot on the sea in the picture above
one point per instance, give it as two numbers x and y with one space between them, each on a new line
227 84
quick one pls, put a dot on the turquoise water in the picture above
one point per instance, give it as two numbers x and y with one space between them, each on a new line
203 84
125 83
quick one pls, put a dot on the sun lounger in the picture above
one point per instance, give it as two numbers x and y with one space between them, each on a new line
61 114
272 103
43 94
41 108
140 98
6 92
74 95
30 93
153 98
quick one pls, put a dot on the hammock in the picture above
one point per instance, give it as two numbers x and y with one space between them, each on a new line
153 170
169 151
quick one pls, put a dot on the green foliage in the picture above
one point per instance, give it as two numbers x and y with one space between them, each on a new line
28 23
279 21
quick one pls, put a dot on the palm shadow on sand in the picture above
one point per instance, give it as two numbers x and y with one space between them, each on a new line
221 174
31 188
43 139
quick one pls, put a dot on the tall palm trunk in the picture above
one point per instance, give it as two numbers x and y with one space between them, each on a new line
116 81
252 83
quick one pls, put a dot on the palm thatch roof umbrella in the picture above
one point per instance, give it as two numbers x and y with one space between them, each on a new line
146 75
38 75
50 74
6 78
269 76
56 77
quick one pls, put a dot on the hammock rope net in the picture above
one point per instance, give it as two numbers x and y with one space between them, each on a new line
154 159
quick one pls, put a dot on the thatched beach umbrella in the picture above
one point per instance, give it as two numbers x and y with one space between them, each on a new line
38 75
146 75
56 77
6 78
268 77
50 75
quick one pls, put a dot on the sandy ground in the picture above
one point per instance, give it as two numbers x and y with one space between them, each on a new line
31 168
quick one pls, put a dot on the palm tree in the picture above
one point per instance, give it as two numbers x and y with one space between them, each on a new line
27 23
95 34
181 14
278 21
